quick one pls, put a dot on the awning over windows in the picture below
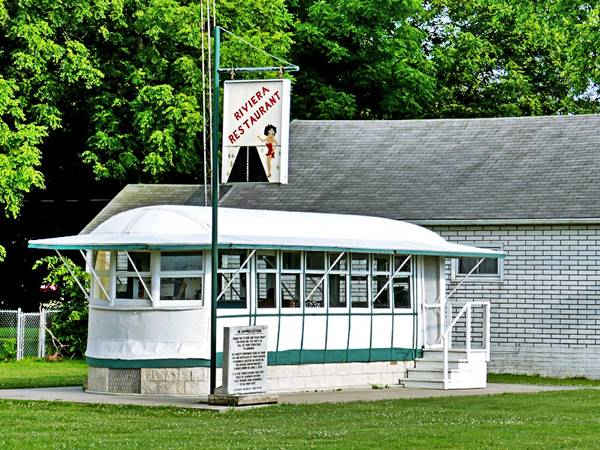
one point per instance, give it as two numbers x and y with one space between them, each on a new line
169 227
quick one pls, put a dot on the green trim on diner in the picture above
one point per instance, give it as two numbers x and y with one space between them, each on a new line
150 247
320 314
280 358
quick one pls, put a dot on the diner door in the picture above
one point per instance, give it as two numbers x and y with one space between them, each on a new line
432 322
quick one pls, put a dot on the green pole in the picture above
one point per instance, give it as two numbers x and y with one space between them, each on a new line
215 215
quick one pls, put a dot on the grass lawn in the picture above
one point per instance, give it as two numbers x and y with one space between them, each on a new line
39 373
536 379
549 420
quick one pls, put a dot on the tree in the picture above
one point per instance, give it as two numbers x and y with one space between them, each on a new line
147 116
115 83
360 59
36 68
508 57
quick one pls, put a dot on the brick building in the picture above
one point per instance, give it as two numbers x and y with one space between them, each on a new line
527 186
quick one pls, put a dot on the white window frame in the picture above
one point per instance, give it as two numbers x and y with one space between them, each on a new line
159 275
323 286
476 277
330 258
360 273
258 271
132 274
405 273
282 272
237 272
381 273
94 283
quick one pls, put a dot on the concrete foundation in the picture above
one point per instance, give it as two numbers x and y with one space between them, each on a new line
195 380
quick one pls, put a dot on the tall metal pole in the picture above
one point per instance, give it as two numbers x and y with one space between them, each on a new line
215 214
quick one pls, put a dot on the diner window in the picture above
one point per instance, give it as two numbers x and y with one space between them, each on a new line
233 278
379 281
359 287
314 284
266 278
181 276
401 292
401 284
290 279
337 279
102 267
128 283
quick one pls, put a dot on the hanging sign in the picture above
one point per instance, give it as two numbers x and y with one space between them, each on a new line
256 117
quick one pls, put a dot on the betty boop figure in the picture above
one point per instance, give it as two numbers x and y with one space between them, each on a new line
270 142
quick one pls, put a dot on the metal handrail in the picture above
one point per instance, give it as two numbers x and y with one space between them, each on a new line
467 308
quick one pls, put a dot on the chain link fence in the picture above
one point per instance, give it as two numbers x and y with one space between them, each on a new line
23 334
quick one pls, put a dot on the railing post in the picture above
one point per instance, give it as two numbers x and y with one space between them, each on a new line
445 343
448 322
468 331
488 329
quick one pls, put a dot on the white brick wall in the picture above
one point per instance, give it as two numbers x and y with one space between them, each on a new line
546 311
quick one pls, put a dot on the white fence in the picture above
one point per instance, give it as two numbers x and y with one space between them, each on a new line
25 331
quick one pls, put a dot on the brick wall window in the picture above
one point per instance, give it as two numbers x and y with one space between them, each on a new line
490 269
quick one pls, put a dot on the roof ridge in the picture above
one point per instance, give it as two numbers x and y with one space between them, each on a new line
450 119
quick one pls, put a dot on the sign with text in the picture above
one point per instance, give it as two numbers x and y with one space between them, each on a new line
245 360
256 116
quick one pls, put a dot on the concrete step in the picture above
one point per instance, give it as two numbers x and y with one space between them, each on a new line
438 355
439 365
423 384
432 375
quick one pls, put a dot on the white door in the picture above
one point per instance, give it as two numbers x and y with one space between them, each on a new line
431 305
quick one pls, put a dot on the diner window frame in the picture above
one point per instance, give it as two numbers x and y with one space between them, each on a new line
146 275
235 272
274 271
404 274
300 275
322 280
201 274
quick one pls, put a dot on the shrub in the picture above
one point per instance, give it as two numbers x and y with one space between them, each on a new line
8 349
68 325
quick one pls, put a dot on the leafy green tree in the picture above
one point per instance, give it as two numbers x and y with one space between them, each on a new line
147 116
508 57
39 61
121 80
360 59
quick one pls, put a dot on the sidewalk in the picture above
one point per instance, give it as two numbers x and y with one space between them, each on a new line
77 395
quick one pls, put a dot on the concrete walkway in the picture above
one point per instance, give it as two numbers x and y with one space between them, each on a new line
77 395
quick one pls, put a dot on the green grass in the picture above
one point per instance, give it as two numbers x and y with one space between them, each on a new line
549 420
38 373
536 379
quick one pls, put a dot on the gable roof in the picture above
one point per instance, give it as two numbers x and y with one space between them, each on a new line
504 170
440 170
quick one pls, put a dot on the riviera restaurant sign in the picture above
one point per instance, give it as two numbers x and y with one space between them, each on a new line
256 115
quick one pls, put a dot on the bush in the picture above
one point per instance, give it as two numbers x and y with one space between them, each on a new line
8 349
68 325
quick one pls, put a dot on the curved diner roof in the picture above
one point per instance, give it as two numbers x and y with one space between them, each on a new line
178 227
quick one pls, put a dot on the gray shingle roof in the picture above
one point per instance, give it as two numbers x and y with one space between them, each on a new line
138 195
466 169
534 168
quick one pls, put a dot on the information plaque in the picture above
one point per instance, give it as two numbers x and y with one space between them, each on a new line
245 360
